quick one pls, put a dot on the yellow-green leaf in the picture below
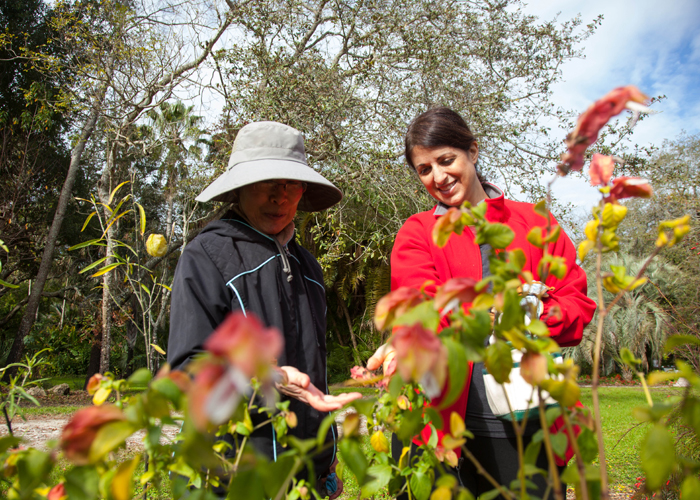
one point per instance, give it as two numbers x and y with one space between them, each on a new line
94 264
122 487
114 191
109 437
101 396
658 456
535 237
158 349
142 215
106 269
541 208
87 221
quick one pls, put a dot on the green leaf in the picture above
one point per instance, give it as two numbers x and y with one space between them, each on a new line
86 244
433 416
629 359
587 444
691 413
532 452
411 423
651 413
142 376
490 495
424 313
354 458
539 328
94 264
498 361
457 365
323 429
678 340
246 484
82 483
570 474
420 485
167 388
109 437
690 489
512 314
559 443
142 215
497 235
275 473
554 235
7 442
379 476
540 208
658 456
8 285
535 237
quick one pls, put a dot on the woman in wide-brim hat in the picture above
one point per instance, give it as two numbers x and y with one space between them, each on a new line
249 261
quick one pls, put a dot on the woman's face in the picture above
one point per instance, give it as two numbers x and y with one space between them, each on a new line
449 173
270 205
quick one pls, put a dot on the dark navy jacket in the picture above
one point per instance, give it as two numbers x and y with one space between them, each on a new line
230 266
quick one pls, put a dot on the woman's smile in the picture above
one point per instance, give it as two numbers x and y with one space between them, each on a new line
449 174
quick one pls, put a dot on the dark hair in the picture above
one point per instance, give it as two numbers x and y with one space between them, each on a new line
439 127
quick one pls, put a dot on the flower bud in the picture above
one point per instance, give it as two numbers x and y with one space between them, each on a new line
351 424
533 368
156 246
291 419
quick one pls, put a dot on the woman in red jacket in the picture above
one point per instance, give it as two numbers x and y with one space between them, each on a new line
442 151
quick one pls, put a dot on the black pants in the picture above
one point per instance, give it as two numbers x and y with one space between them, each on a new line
499 456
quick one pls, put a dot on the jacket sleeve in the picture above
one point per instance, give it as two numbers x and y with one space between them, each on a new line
412 261
200 301
567 309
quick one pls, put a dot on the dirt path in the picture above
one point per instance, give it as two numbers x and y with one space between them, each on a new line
40 430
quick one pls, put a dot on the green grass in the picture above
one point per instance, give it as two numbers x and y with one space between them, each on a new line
74 382
621 432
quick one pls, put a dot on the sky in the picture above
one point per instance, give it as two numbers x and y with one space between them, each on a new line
652 44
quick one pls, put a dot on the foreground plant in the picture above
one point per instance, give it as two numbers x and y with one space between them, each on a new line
237 377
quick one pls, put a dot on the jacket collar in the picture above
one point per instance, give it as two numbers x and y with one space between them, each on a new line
495 204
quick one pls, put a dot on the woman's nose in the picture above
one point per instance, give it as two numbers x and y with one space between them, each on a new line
439 175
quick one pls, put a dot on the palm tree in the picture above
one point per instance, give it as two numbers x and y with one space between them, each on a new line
638 322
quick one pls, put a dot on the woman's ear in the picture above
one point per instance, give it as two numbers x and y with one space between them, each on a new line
473 152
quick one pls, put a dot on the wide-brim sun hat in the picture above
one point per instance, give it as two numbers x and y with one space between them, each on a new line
270 150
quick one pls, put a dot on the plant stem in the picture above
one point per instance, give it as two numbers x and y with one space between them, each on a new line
646 388
577 453
553 472
505 493
287 480
604 491
240 453
7 419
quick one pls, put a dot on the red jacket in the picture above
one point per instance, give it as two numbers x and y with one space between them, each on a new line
415 259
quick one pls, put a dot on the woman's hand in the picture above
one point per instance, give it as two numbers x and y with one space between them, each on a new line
299 386
383 357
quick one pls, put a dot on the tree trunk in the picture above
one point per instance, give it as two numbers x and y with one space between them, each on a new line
47 257
132 335
346 313
95 349
104 190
